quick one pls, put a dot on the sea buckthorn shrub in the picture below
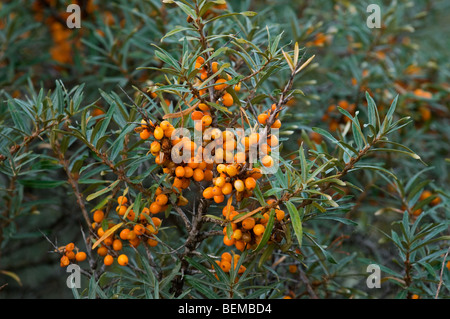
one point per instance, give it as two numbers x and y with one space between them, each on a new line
210 149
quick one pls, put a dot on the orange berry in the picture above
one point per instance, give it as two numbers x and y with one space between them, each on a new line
225 265
248 223
237 87
100 232
179 171
417 212
220 86
122 260
108 260
158 133
139 229
435 201
250 183
280 214
217 191
64 261
231 170
276 124
232 215
239 185
237 234
131 235
164 125
253 139
204 107
227 99
292 269
152 242
169 131
272 141
226 256
225 210
265 219
267 161
215 67
265 149
227 241
151 229
70 247
108 241
256 173
259 229
242 269
262 118
240 245
135 242
161 199
200 60
117 244
227 189
145 134
233 227
122 200
124 234
145 212
70 255
219 199
155 208
155 147
221 168
188 172
121 210
197 115
131 215
206 120
102 251
98 216
178 183
208 193
199 175
156 221
220 181
80 256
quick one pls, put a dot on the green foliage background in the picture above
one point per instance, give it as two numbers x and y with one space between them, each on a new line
408 53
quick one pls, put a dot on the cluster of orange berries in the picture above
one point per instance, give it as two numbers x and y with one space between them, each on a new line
220 84
423 196
70 253
138 229
335 118
247 234
161 148
228 177
232 177
263 117
227 260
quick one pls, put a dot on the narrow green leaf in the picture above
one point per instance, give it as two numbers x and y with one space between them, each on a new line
102 191
296 221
